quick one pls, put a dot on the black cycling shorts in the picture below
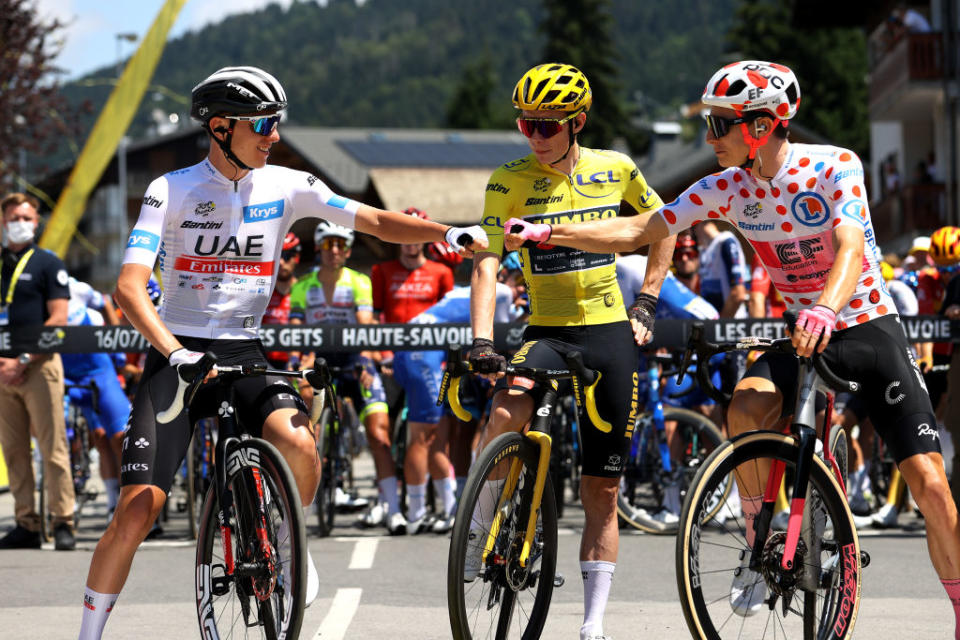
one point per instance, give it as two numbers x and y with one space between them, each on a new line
876 355
153 452
608 348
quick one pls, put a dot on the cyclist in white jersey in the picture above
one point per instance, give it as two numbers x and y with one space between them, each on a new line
217 230
804 210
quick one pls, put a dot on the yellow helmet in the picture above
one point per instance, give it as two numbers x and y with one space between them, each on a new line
553 87
945 246
886 271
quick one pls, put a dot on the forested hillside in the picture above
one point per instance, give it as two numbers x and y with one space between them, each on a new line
398 63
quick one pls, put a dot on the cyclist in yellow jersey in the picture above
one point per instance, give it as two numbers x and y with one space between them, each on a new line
575 302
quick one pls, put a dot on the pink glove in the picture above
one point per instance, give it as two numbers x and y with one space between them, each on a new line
529 231
817 320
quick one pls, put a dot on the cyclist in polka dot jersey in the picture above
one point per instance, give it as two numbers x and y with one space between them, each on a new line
790 221
803 208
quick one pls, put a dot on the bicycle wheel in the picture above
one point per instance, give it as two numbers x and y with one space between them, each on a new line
263 597
327 447
838 445
644 482
199 478
502 599
818 598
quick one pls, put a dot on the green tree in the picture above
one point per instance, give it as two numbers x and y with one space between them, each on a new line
830 64
32 112
580 32
469 108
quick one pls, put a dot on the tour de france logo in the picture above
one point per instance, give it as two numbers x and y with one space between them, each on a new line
810 209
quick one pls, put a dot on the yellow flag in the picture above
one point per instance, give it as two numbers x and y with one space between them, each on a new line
110 127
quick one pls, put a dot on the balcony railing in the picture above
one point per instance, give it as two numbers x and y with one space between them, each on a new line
911 58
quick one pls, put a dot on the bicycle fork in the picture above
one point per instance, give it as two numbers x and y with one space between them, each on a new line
539 435
804 415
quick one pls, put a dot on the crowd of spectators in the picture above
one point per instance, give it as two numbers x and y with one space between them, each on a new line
35 288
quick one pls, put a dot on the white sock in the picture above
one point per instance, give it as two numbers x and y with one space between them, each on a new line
446 488
388 494
597 576
112 486
483 512
461 483
416 501
96 608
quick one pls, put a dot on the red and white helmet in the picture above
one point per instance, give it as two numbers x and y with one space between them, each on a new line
444 254
753 85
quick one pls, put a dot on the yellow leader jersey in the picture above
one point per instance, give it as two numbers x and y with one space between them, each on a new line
567 286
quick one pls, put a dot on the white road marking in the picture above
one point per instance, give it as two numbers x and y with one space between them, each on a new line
363 553
342 609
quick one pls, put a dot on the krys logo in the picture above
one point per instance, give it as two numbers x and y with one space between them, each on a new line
596 185
143 240
810 209
261 212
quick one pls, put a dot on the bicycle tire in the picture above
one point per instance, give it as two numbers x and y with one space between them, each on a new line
641 494
79 462
706 559
46 529
838 445
214 588
326 491
535 583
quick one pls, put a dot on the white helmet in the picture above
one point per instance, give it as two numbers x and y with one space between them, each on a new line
753 85
329 230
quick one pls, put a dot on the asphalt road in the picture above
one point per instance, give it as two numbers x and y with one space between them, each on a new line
376 586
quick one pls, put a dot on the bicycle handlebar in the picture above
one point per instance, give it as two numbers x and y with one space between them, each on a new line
191 376
457 367
704 350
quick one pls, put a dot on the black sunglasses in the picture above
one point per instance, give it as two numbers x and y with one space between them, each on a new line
720 127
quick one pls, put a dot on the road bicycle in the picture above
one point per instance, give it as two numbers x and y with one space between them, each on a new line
251 546
565 452
337 428
811 572
501 569
78 448
199 470
659 468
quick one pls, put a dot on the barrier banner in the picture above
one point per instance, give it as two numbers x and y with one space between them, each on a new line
334 338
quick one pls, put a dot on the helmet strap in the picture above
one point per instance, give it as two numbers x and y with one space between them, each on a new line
752 142
571 140
225 146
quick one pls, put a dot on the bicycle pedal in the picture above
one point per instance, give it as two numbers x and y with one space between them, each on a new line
864 559
558 580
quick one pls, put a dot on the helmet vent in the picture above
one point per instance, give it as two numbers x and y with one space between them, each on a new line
792 93
737 86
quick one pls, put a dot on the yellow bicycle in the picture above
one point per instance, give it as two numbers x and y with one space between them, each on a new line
503 554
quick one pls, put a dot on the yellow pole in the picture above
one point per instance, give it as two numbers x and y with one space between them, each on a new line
110 127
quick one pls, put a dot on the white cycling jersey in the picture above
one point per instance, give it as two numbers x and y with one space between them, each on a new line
218 242
790 219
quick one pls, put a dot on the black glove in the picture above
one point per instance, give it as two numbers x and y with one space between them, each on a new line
484 359
644 311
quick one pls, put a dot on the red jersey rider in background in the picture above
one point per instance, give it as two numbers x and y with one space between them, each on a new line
278 310
407 286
